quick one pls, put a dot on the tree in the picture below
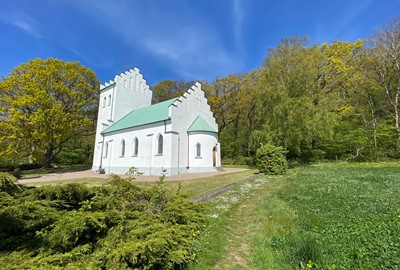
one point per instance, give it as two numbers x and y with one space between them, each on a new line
44 104
385 50
168 89
297 111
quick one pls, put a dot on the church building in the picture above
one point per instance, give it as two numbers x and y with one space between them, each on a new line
179 135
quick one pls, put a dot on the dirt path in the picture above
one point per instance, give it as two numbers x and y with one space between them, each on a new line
142 178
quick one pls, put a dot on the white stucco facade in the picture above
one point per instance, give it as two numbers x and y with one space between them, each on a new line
129 130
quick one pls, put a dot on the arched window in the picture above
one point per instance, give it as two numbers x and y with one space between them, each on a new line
105 150
136 83
198 150
122 148
131 83
109 100
104 102
135 146
160 145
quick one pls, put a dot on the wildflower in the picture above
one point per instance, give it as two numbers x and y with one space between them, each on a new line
309 264
194 234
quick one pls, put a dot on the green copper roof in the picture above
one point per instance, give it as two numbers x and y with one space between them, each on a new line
151 114
200 125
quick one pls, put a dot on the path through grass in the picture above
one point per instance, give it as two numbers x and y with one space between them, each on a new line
331 216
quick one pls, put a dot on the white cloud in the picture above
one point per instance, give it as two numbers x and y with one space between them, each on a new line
23 21
188 43
346 22
238 17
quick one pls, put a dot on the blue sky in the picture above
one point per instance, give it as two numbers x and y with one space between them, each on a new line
176 39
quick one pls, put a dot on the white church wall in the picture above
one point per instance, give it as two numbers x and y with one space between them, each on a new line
208 143
132 92
147 160
104 117
127 92
183 112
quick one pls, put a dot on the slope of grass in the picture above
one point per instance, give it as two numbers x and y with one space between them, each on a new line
331 216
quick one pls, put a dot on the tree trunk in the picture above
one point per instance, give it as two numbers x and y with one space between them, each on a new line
48 158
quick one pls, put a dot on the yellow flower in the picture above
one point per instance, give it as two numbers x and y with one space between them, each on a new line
194 234
309 265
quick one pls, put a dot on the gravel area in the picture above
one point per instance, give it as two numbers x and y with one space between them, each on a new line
142 178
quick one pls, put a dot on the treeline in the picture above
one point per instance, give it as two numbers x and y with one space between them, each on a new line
338 101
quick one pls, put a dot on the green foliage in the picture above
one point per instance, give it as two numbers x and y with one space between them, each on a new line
20 221
75 228
8 183
45 103
348 216
69 196
118 226
271 159
335 101
300 249
168 89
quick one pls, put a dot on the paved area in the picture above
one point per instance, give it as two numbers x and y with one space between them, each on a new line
143 178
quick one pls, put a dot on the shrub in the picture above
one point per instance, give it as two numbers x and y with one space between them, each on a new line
8 183
76 228
18 223
271 159
116 226
68 196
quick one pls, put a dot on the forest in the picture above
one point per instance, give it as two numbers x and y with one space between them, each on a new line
337 101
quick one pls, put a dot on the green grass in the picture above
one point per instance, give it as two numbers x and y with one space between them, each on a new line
91 181
201 186
192 187
237 166
327 216
61 169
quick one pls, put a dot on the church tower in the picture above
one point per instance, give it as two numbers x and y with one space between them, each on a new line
127 92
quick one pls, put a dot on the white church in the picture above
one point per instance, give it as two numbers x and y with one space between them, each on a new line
179 135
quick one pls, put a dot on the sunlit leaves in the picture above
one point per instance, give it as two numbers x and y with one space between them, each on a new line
46 103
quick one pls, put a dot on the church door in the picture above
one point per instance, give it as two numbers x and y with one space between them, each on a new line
214 156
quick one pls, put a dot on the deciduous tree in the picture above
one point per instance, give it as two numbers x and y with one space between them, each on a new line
45 103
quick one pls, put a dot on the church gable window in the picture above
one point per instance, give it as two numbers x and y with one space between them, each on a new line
135 147
122 148
160 145
198 150
104 102
109 100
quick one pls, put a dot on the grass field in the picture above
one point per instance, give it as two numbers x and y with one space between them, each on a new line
192 187
329 216
62 169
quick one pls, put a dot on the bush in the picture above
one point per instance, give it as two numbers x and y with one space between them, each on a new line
116 226
271 159
8 183
69 196
76 228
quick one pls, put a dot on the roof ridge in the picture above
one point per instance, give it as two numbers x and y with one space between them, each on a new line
199 124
